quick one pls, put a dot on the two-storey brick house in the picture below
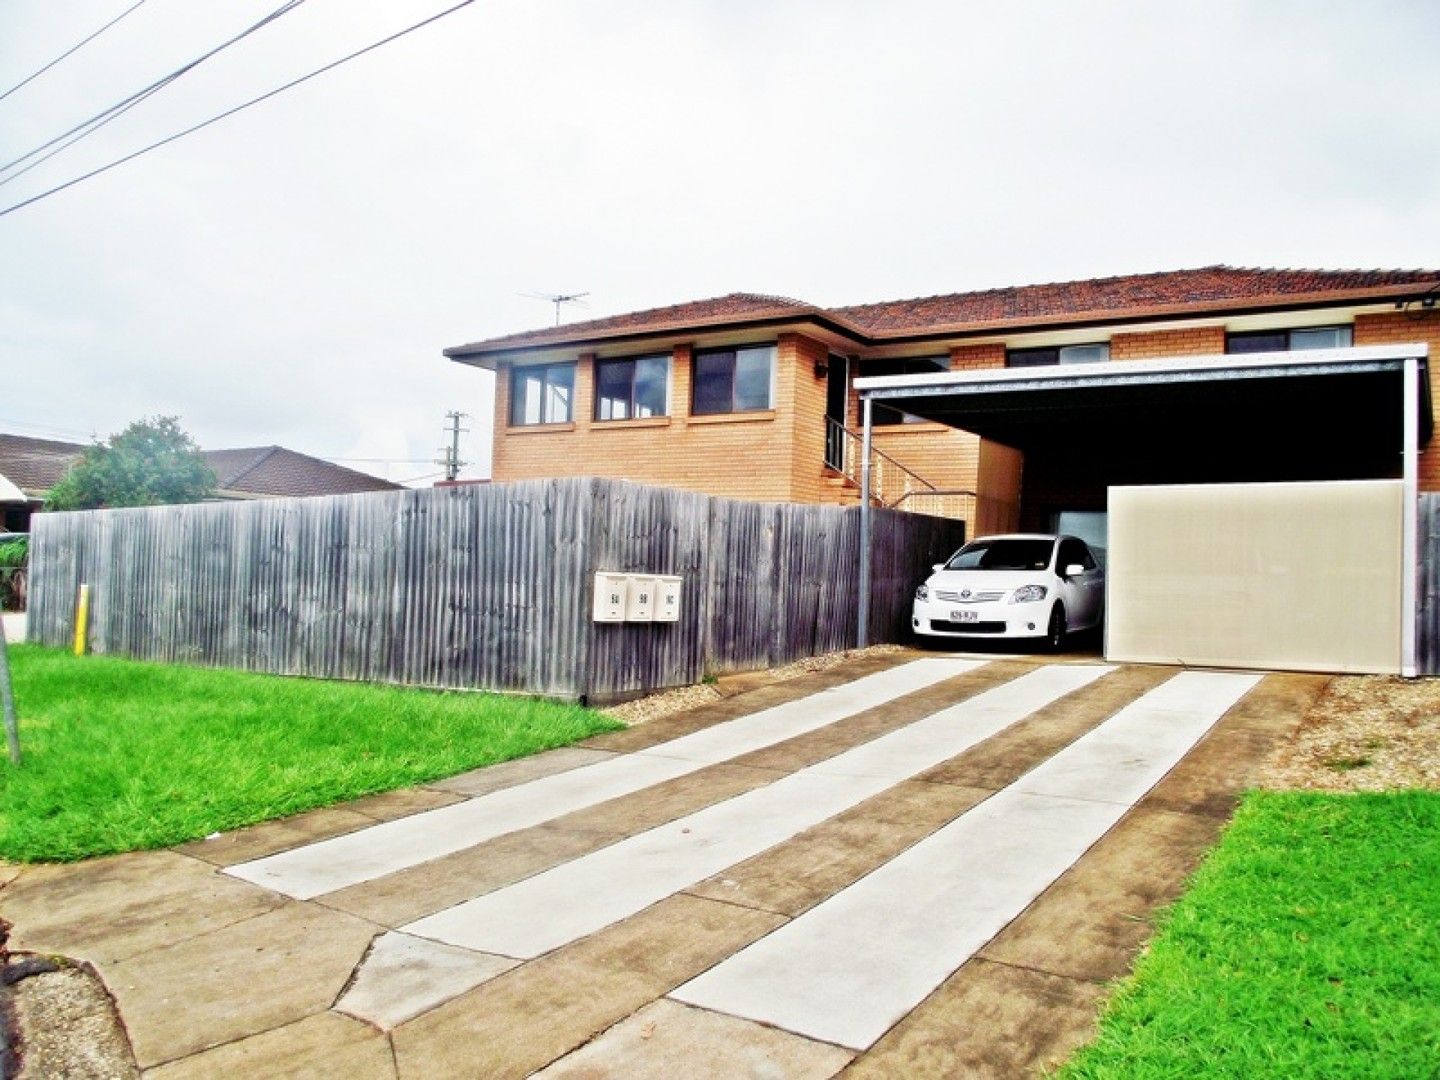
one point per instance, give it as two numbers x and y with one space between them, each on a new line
752 396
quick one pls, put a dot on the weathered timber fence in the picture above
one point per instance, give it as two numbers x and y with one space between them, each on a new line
484 586
1428 602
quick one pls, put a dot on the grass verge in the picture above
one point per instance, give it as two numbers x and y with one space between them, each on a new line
121 755
1306 947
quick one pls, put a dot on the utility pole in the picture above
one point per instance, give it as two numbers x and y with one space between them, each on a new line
451 459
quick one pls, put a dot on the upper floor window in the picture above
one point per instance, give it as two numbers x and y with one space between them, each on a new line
632 388
909 365
1096 353
734 380
1310 337
542 394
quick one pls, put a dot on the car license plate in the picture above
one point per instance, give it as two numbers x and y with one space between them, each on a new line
964 616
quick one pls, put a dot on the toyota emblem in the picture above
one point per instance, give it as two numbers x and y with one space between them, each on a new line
964 594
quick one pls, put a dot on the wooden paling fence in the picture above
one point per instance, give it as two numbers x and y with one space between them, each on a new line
1428 607
482 586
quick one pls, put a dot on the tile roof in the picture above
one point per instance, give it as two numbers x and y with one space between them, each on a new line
274 470
1129 294
733 307
36 465
1171 292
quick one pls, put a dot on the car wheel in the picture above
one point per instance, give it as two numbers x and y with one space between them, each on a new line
1055 634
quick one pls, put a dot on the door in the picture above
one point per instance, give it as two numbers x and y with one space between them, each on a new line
1084 593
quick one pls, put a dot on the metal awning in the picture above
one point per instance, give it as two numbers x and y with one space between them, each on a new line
1021 406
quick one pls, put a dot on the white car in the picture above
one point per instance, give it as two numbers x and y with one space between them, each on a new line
1026 585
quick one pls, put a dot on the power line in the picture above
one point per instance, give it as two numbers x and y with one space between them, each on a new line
120 108
74 48
378 460
238 108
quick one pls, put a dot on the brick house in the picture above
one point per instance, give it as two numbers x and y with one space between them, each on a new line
753 396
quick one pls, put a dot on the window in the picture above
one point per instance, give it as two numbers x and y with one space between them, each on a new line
1096 353
910 365
734 380
542 394
1311 337
1073 551
632 388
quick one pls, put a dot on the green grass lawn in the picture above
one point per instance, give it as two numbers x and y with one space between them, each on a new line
121 755
1308 946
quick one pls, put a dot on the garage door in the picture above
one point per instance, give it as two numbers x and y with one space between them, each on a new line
1303 577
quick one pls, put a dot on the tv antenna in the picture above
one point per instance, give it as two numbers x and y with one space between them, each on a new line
558 299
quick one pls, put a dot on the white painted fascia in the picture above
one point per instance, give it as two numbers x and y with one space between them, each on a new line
878 384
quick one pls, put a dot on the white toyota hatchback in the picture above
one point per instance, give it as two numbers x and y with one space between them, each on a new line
1028 585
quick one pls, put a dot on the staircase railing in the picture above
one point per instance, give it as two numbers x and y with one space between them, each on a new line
891 483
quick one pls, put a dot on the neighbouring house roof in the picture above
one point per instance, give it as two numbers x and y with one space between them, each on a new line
36 465
276 471
1131 296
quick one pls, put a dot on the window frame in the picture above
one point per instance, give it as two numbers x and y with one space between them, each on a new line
1289 333
516 418
1059 350
634 362
888 415
734 351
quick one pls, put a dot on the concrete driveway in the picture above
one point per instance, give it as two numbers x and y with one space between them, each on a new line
906 865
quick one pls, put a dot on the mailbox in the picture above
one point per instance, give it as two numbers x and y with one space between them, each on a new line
640 605
611 594
667 599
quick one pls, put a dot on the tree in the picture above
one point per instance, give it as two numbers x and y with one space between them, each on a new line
152 461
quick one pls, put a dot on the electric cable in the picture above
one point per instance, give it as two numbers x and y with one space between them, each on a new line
238 108
73 49
100 119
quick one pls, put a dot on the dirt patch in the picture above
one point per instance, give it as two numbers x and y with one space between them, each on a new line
689 697
1364 733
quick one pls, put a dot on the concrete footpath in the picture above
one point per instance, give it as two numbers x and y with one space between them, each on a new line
902 866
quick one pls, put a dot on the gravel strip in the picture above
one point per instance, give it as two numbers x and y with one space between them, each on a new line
1364 733
689 697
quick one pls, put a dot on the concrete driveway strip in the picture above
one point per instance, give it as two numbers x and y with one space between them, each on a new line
846 971
346 860
558 906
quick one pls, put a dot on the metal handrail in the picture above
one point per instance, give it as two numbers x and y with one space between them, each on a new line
846 437
935 491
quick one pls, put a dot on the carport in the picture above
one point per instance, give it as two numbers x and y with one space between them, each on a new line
1324 422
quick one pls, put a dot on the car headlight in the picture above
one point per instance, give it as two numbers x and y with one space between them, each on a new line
922 593
1028 594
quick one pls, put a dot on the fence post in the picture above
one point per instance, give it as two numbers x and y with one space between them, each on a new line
862 635
7 700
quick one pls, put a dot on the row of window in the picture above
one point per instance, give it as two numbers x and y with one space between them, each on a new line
1249 341
743 379
723 381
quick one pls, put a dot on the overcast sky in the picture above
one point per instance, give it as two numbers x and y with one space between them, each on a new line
291 275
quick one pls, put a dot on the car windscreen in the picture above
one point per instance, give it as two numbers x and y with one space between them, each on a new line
1003 555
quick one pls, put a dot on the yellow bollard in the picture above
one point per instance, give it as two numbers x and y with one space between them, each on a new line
82 619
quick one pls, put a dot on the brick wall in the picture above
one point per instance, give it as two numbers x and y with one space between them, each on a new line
975 357
1153 344
754 455
1394 328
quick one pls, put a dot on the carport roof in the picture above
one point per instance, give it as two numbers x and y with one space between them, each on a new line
1019 406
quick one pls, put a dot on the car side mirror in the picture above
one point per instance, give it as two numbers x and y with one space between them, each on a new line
935 568
1074 570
